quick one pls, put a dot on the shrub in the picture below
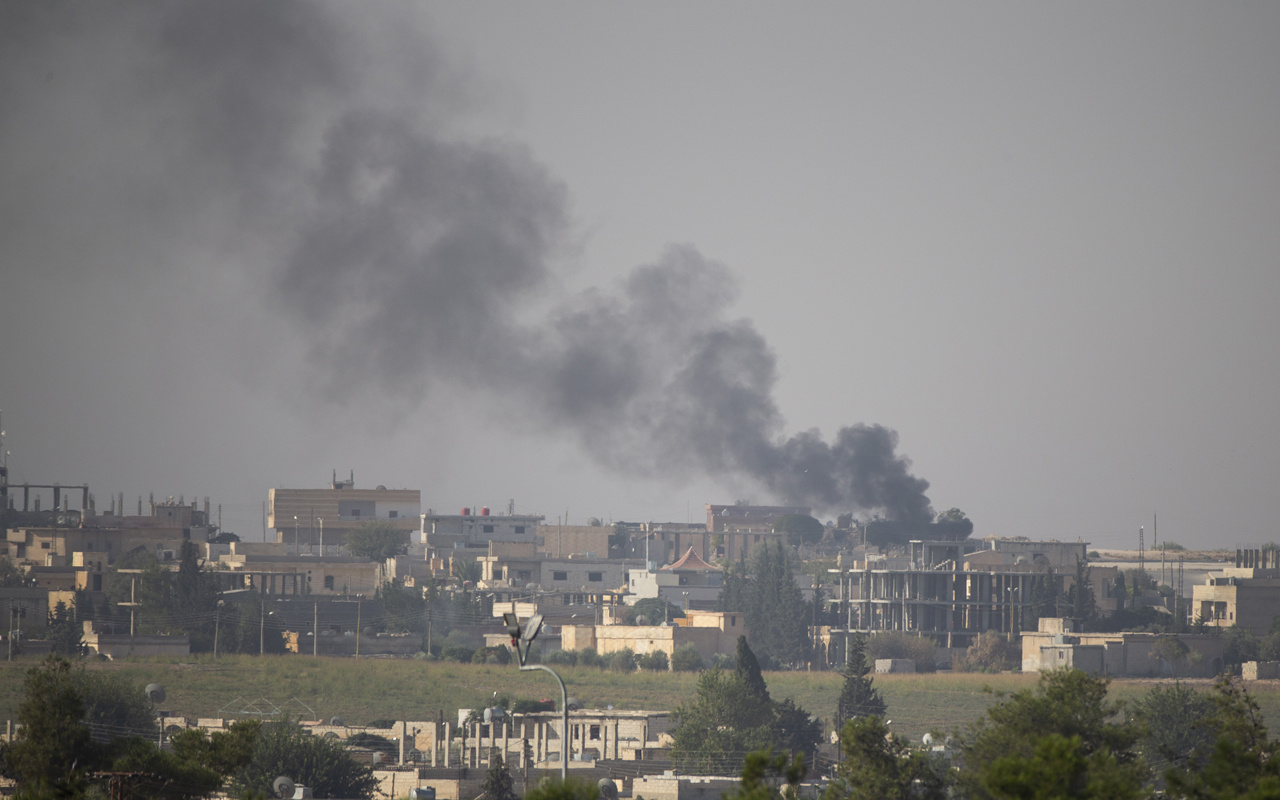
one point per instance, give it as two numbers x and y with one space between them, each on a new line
562 658
532 706
458 653
621 661
898 644
590 658
724 661
480 656
990 652
686 658
653 662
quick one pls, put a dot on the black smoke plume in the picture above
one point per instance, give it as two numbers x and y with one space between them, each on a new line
411 256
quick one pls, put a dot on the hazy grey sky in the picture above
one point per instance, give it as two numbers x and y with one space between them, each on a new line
495 251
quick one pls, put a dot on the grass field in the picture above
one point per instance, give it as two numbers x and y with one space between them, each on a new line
366 689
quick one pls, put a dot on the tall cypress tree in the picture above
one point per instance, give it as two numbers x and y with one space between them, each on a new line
858 698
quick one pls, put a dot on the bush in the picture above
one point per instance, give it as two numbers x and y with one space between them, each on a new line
653 662
458 653
621 661
990 652
897 644
590 658
532 706
724 661
562 658
686 658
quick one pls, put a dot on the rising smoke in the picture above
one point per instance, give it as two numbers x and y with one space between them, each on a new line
412 257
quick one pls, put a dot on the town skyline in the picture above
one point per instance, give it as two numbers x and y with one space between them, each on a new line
1034 243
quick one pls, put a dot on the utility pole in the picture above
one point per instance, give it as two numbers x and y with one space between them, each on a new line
359 606
315 634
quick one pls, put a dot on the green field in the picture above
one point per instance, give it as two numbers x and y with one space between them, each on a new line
366 689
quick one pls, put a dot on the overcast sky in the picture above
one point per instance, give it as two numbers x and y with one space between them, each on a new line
609 259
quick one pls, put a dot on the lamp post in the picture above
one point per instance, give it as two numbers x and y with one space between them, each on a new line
296 551
321 521
217 623
520 641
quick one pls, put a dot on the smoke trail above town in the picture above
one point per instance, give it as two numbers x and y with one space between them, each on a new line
316 149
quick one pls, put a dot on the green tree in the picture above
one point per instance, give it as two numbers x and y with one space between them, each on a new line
732 715
223 752
654 611
572 789
66 634
878 765
53 749
770 600
766 776
1070 704
991 651
722 724
169 776
1174 733
1239 645
194 598
1170 650
1084 605
1243 764
377 541
1060 768
498 783
858 697
12 576
320 764
686 658
799 528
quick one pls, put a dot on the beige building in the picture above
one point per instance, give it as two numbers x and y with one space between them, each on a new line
1058 644
273 569
306 519
1247 594
711 632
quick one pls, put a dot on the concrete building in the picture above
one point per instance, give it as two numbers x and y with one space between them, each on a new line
302 517
562 541
688 583
953 596
711 632
1058 643
1247 594
274 569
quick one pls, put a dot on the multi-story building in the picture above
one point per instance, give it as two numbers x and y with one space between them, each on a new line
307 519
688 583
1247 594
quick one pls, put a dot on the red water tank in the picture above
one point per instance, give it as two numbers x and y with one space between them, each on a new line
466 511
484 511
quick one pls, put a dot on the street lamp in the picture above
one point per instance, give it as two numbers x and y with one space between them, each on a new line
296 551
520 641
321 521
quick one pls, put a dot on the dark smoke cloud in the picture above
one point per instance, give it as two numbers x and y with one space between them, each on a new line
410 258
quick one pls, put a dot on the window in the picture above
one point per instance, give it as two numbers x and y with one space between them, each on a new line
595 732
519 529
733 622
44 545
328 582
524 575
393 514
559 576
595 577
488 529
355 512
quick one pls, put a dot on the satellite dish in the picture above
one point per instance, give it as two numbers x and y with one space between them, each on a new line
927 739
608 789
494 714
573 704
154 692
283 787
337 722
